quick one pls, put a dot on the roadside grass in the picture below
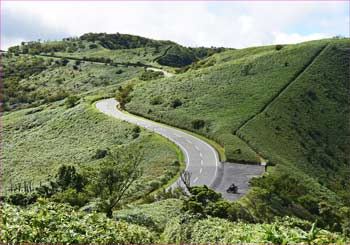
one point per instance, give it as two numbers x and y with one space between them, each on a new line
223 95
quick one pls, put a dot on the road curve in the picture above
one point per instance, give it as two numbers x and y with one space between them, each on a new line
202 160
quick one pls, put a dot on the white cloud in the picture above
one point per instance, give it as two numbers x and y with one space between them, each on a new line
232 24
284 38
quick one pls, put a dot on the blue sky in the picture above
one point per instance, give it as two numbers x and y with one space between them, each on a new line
230 24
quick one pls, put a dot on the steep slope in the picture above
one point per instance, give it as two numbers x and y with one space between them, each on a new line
307 126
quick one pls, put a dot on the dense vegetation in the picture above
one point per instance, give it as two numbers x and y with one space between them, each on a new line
160 222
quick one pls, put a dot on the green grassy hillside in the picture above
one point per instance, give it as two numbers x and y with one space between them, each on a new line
37 141
284 103
225 94
288 104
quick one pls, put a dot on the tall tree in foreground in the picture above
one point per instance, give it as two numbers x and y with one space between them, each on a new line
115 177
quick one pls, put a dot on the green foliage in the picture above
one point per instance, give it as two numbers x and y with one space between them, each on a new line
119 41
47 222
67 177
21 199
177 56
101 153
115 177
71 101
123 95
151 75
219 231
156 100
278 47
197 123
176 103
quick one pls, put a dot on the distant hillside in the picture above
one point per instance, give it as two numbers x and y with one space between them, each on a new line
118 48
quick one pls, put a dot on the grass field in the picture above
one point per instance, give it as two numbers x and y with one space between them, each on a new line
37 141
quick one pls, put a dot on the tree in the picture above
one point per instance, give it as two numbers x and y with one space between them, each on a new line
123 95
67 177
115 177
186 179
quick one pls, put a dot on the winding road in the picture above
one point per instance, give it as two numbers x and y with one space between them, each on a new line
202 160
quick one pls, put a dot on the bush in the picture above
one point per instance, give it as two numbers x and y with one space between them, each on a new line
92 46
52 223
100 153
198 123
156 100
71 196
136 132
278 47
150 75
22 199
176 103
71 101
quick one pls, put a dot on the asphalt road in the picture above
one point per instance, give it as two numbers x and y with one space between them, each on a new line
202 160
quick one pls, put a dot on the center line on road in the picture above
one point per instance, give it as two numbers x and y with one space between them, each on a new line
200 153
177 135
189 141
195 180
202 162
196 148
200 171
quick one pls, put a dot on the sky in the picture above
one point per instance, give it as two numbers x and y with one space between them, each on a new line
235 24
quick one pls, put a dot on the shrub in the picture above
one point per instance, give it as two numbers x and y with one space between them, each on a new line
156 100
52 223
71 101
100 153
198 123
176 103
278 47
92 46
150 75
22 199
